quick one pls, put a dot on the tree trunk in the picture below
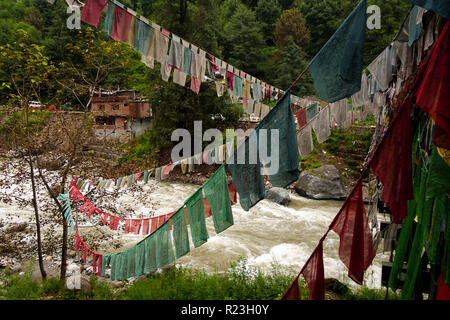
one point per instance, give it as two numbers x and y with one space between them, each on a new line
38 224
64 222
64 251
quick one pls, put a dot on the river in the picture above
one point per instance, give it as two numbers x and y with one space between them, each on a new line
268 235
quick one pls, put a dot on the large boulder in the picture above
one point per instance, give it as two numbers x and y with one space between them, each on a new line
278 195
322 183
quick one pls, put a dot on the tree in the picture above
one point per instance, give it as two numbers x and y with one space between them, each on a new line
294 60
244 41
267 13
292 25
92 61
25 71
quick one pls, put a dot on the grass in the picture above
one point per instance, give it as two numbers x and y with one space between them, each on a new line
241 282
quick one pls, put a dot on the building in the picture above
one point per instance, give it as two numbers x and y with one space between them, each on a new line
121 113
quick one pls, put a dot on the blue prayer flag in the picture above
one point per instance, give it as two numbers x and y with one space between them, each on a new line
441 7
337 68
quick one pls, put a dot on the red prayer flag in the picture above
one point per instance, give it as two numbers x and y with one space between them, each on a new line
105 217
230 79
208 212
212 63
121 24
154 224
433 87
145 226
443 291
356 248
91 211
136 226
293 293
94 261
100 265
137 175
232 192
127 226
301 117
165 32
168 168
392 165
92 11
314 275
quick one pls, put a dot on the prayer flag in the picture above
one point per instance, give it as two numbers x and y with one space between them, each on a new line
356 245
92 11
336 69
313 272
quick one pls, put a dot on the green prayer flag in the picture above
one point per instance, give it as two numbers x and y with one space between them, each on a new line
150 253
187 61
113 266
131 266
130 180
180 233
106 258
140 258
439 175
107 27
164 250
280 120
158 174
119 182
146 176
246 174
196 217
143 34
337 68
311 111
216 191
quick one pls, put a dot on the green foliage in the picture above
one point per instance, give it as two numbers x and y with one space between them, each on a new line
239 283
267 13
244 40
291 27
292 63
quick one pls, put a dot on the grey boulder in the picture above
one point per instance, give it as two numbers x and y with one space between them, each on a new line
323 183
278 195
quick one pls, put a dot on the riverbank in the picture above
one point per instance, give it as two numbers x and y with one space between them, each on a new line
239 283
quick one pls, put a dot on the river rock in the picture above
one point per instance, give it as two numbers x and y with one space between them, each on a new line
278 195
323 183
78 282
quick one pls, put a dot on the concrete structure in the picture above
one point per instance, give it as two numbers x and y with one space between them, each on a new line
120 114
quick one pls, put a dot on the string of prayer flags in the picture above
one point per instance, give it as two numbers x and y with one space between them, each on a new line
336 70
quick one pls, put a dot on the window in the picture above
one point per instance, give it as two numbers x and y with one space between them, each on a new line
109 121
115 107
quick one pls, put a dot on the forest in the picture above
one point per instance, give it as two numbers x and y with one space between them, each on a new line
269 39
